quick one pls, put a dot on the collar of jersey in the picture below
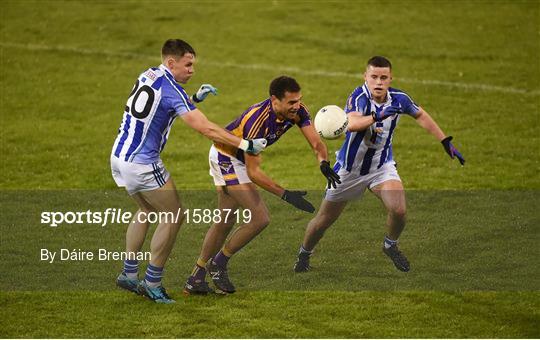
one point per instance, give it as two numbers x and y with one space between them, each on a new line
388 95
166 70
276 117
272 113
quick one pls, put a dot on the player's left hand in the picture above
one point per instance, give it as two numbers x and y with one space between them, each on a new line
451 150
296 198
387 112
203 92
330 174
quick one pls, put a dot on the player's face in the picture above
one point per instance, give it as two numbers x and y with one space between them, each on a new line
378 80
183 68
288 106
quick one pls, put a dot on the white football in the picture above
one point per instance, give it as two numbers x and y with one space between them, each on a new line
331 122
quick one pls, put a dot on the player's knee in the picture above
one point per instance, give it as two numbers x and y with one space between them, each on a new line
399 212
322 222
262 222
173 214
265 222
145 211
173 227
180 218
223 226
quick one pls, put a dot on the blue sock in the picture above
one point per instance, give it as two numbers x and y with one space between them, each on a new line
153 276
131 268
389 243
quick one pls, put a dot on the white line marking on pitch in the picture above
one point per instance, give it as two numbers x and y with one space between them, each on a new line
263 67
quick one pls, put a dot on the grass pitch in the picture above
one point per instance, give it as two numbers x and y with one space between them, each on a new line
67 68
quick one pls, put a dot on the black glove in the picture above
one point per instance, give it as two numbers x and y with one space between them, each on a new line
296 198
330 174
451 150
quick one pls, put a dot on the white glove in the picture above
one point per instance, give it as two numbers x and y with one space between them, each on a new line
253 146
203 92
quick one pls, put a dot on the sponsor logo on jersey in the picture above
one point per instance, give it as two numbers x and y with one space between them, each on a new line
225 166
150 75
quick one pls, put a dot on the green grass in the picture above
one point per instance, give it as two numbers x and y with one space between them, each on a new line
67 91
274 315
455 249
472 273
67 68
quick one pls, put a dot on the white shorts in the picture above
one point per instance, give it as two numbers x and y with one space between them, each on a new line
226 170
353 185
138 177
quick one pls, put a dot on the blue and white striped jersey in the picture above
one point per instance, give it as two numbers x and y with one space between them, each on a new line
368 150
153 105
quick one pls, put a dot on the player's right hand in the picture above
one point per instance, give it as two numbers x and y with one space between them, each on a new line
296 198
253 146
451 150
387 112
331 176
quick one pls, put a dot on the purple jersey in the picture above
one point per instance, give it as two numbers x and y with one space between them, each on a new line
260 121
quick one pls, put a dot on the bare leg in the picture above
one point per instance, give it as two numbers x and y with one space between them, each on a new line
217 234
392 195
232 197
247 196
328 213
164 199
326 216
136 231
213 241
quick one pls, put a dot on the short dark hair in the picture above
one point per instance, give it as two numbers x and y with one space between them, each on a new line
379 61
176 47
283 84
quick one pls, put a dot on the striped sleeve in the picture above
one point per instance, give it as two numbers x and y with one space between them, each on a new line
256 124
357 101
178 98
406 102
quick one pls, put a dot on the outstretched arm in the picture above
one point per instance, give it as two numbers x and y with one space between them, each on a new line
315 142
198 121
258 177
321 152
424 120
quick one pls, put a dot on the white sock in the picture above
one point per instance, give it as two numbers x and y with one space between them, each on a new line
303 251
131 276
389 242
